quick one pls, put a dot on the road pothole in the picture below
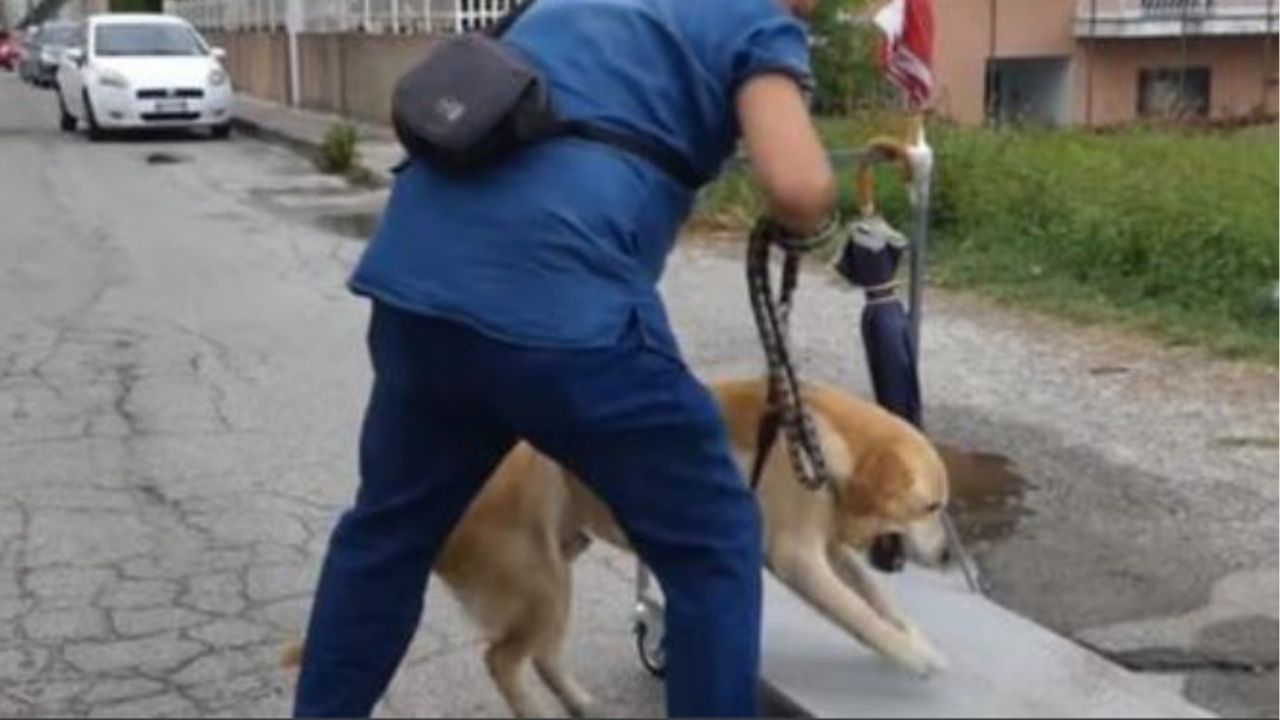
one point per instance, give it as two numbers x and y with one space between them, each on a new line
360 225
1245 442
165 158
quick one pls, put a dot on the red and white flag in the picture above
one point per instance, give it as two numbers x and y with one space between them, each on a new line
907 51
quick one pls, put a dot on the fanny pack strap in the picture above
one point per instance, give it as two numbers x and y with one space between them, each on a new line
504 23
665 159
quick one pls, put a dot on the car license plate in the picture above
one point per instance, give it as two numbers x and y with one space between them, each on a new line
171 106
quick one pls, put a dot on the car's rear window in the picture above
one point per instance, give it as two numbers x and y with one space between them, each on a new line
150 39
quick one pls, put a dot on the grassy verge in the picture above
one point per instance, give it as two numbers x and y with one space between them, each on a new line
1167 231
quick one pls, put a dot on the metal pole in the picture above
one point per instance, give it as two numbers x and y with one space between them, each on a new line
395 16
919 258
367 17
293 26
924 164
919 254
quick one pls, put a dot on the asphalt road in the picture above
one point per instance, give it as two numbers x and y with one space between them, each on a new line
182 375
181 380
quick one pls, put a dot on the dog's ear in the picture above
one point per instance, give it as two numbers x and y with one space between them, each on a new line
880 475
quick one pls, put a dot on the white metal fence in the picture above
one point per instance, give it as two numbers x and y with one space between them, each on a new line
375 16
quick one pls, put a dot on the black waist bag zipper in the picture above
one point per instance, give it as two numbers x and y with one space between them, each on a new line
474 102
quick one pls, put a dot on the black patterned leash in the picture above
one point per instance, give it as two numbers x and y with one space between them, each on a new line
784 412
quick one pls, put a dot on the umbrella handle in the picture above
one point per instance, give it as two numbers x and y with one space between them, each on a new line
880 150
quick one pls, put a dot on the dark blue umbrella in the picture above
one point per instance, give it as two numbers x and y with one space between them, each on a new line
870 261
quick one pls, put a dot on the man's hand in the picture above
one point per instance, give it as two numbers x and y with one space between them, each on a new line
786 153
830 233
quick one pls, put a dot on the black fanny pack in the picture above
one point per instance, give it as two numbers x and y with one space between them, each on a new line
474 102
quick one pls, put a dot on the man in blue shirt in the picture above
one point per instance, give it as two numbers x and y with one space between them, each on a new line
521 301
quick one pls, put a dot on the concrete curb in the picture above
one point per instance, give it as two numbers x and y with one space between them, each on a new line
366 172
255 129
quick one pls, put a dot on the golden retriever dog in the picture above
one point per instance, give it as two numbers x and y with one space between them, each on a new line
509 560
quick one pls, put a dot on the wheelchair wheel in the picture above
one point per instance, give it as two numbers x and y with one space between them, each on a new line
651 644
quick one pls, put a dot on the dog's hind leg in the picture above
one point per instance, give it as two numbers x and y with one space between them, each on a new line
575 698
505 659
553 614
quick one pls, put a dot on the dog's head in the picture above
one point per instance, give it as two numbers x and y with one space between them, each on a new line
891 504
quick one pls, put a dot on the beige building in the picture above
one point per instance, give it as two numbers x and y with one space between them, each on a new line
1104 62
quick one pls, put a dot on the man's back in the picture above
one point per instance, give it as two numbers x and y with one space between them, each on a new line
563 244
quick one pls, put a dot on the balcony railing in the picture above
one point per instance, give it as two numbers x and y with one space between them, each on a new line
1176 8
373 16
1174 18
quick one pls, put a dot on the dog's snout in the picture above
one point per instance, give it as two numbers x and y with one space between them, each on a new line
889 553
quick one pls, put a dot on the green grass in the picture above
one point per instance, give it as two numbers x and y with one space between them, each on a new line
1171 232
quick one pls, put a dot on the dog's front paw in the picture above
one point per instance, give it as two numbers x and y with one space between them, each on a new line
586 708
920 657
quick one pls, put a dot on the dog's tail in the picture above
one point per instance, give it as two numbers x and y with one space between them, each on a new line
575 545
291 658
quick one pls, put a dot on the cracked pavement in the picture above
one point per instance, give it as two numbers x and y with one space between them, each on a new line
181 379
182 375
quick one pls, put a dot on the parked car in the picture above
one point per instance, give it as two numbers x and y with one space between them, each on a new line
44 49
143 71
28 41
8 51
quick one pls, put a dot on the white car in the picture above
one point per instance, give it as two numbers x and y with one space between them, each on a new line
133 71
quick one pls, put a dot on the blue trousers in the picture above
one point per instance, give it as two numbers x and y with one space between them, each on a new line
447 404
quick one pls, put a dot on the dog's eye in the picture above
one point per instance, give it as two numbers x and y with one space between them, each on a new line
933 508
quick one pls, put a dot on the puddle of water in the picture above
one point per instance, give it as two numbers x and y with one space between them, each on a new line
360 226
318 190
164 158
1258 442
1109 370
987 494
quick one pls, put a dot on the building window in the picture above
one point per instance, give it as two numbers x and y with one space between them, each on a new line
1032 91
1174 92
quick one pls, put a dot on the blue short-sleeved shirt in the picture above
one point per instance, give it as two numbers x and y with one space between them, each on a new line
563 245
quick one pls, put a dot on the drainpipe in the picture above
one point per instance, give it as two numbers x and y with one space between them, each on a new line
294 21
1268 64
1182 51
992 101
1089 61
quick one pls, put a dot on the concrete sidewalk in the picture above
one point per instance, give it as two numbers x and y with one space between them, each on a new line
1002 665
